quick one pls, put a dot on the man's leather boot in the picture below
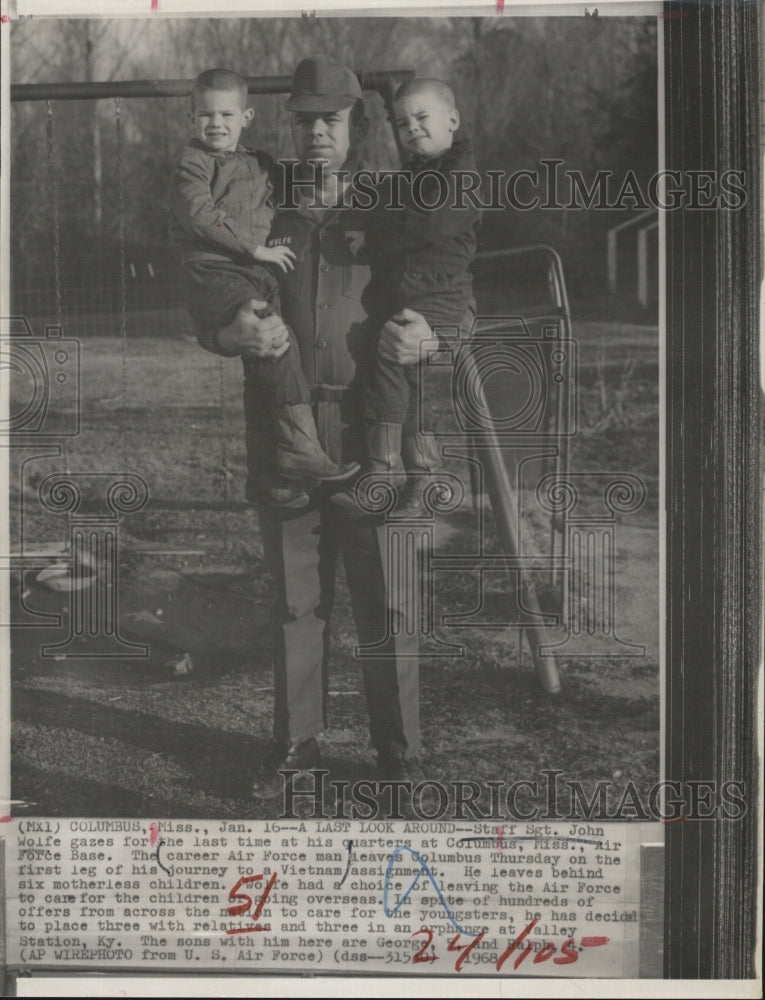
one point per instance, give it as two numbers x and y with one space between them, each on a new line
268 782
263 487
299 456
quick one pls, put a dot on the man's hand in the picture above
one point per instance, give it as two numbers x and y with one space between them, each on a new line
283 257
253 335
400 338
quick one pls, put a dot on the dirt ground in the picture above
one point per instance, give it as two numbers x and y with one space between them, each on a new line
126 737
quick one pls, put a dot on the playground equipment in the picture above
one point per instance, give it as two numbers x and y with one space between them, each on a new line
512 390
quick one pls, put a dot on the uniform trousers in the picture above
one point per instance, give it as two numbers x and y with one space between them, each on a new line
302 552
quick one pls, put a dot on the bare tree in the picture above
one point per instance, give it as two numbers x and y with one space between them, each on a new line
580 90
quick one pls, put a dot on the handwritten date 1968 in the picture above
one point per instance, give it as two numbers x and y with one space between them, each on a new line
568 952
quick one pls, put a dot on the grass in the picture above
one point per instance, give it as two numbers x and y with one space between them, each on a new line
171 413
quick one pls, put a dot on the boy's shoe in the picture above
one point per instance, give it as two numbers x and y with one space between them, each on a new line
413 504
383 463
386 447
421 452
274 493
422 458
299 455
269 782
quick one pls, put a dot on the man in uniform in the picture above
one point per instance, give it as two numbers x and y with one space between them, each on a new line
322 303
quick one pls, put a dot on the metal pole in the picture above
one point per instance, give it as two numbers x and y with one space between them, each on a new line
642 267
96 90
612 260
505 506
642 263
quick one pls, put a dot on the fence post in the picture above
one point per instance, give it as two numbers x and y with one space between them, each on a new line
612 260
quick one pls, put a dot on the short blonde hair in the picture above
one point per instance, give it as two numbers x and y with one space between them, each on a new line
424 83
219 79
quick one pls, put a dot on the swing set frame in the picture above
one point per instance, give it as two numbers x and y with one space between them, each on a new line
492 460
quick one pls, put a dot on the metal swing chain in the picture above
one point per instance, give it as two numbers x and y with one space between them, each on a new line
53 187
224 450
123 277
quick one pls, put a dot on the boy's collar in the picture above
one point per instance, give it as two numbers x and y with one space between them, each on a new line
198 144
460 145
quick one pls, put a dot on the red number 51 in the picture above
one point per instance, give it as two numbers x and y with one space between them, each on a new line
238 909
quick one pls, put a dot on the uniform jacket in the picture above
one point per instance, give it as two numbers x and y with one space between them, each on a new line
328 298
221 202
442 239
324 299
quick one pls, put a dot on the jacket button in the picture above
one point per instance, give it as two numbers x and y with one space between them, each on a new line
321 343
322 305
325 267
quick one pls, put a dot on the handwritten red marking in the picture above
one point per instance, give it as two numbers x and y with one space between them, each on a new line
4 18
500 6
569 954
514 944
241 908
594 942
419 955
6 819
154 6
153 833
523 955
466 949
673 819
500 837
545 952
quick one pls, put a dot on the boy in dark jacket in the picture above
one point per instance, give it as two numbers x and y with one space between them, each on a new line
420 260
221 199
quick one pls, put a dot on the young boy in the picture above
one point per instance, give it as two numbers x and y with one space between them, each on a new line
222 209
420 260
